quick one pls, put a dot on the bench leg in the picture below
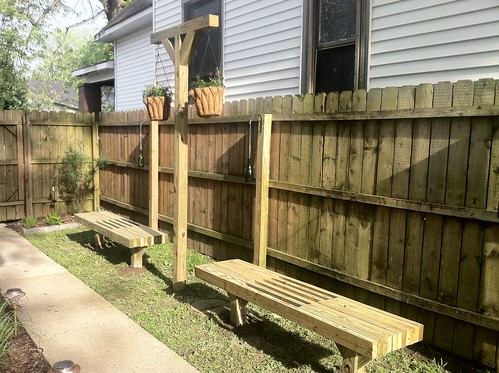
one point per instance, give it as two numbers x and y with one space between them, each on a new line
352 361
98 240
237 310
136 259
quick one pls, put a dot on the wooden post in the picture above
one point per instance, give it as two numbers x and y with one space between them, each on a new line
262 193
20 163
180 50
28 186
95 155
153 174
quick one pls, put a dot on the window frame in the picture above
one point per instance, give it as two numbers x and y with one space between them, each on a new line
191 3
311 44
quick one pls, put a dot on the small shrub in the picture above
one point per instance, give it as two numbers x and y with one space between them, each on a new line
75 178
29 222
53 219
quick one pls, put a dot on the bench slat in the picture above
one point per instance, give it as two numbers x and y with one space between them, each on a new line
367 330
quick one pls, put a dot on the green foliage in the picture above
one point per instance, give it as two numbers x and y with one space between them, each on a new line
215 79
29 222
23 27
7 328
53 219
157 90
75 179
65 52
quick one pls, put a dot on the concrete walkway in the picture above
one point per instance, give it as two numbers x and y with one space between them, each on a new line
72 322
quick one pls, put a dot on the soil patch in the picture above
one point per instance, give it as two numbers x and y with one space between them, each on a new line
24 356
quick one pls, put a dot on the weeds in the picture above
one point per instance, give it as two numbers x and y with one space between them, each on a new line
53 219
29 222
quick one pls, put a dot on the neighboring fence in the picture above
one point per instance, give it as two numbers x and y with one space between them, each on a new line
390 197
31 148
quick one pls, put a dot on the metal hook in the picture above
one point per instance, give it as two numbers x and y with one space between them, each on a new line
248 176
259 122
140 159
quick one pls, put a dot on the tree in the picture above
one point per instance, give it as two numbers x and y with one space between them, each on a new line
65 51
22 31
12 83
113 7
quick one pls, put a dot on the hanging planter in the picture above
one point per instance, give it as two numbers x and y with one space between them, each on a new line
208 95
208 101
158 101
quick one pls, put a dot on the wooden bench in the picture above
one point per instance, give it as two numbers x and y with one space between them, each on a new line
135 236
362 333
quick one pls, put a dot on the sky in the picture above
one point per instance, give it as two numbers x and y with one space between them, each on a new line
83 9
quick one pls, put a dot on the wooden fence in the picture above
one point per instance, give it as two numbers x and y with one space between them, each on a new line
31 148
388 196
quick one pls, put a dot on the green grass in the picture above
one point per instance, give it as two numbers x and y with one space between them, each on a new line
268 344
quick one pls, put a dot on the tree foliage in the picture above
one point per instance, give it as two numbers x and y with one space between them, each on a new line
23 27
65 52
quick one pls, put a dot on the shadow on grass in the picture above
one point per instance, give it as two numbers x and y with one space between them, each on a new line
261 332
116 254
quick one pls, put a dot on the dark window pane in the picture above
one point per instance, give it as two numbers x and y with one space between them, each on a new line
337 20
335 69
206 56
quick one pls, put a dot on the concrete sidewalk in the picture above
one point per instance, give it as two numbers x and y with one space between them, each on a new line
72 322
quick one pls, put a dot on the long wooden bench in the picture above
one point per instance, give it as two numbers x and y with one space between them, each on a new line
362 333
135 236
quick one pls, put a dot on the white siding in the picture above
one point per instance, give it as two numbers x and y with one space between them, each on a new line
427 41
167 13
134 69
262 48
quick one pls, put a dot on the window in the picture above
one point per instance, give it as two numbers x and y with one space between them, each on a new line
207 54
337 62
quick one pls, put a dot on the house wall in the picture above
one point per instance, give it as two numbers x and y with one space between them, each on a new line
262 45
433 40
167 13
134 69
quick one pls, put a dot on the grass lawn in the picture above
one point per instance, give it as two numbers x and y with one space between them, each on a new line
206 340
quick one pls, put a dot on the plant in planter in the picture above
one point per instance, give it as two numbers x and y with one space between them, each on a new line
208 94
157 99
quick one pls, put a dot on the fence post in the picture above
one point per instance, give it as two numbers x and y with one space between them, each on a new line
262 192
95 156
28 188
20 163
153 174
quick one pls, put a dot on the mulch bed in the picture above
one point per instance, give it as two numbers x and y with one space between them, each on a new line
18 225
24 356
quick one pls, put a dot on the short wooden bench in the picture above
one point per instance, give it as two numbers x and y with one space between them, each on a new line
135 236
362 333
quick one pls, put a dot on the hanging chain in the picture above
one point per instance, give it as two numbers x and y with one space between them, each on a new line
204 54
158 54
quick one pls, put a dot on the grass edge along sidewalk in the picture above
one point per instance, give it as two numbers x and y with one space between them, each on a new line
207 341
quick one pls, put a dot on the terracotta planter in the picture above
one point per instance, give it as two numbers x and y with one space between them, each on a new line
158 107
208 100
